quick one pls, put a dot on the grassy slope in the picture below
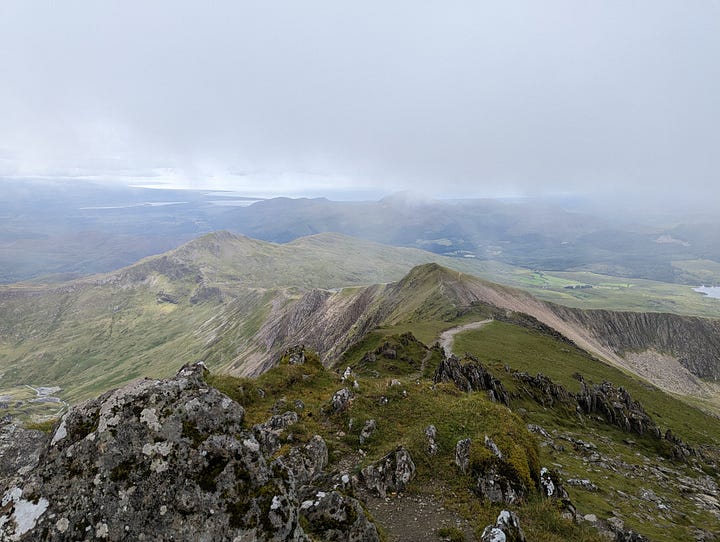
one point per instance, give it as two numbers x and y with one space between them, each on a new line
403 421
500 344
98 332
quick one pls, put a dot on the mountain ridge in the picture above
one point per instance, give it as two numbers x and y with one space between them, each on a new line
237 303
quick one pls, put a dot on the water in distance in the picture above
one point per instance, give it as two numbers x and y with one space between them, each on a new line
710 291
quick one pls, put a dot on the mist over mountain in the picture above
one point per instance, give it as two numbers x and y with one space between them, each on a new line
72 229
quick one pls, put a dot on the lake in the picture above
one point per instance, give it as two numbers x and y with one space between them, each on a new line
710 291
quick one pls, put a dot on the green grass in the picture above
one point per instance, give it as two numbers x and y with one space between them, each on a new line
501 344
410 408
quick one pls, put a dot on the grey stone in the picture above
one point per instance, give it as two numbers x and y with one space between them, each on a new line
462 455
431 435
390 474
334 517
496 488
168 460
341 399
308 461
367 430
490 445
506 529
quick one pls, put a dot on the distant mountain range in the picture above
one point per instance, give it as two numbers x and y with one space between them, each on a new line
64 230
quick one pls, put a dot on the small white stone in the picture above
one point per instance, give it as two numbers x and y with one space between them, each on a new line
276 503
163 510
62 524
592 518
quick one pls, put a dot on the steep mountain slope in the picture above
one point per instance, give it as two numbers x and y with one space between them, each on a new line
237 303
204 300
331 322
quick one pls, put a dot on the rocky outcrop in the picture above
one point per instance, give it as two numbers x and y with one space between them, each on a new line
19 449
543 390
493 485
391 474
494 480
462 455
471 376
340 400
334 517
170 460
308 461
506 529
268 432
614 405
552 488
617 407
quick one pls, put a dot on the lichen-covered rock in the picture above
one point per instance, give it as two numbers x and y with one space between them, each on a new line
506 529
307 462
336 517
340 400
163 460
390 474
268 433
431 436
462 455
471 376
367 430
19 449
496 488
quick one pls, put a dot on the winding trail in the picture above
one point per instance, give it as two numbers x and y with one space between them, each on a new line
447 337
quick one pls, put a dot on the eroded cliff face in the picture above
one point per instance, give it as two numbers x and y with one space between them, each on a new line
694 342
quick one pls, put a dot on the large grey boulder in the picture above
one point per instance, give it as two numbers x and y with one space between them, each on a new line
163 460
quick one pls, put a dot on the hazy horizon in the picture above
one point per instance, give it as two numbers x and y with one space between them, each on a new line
459 99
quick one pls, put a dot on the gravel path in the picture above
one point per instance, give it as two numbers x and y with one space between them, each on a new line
447 337
415 518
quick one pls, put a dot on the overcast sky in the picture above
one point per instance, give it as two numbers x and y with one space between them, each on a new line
450 98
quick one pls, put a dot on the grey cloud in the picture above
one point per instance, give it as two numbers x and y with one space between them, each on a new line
449 97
